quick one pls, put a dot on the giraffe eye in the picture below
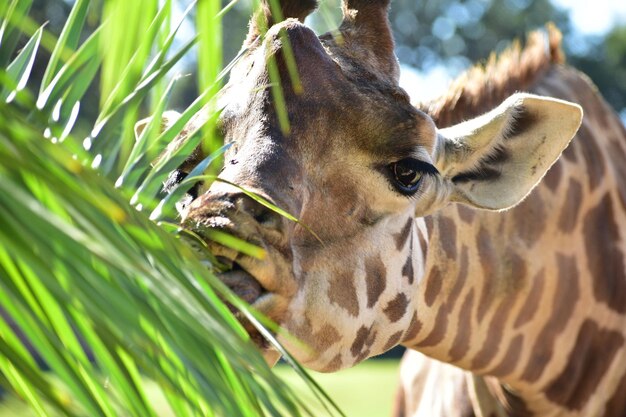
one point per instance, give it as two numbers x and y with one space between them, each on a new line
175 178
407 174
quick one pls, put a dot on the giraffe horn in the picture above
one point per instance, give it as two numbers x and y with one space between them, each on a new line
366 29
274 11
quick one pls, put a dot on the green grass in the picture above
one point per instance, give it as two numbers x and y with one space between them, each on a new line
11 406
367 390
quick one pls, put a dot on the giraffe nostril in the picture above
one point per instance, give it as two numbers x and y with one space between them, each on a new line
263 215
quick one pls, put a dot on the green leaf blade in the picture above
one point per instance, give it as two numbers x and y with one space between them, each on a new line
19 70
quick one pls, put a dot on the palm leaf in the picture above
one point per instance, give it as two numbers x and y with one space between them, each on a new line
67 41
12 13
106 296
130 283
19 70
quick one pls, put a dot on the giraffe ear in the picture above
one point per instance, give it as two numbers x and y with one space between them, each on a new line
495 160
167 119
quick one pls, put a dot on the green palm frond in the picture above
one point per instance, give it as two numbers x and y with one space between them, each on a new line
106 296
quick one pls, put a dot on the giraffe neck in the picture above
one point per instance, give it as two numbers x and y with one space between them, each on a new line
535 297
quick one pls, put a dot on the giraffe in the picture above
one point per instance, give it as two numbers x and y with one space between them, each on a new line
570 296
519 312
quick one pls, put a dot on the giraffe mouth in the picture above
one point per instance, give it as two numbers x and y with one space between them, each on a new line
244 276
241 282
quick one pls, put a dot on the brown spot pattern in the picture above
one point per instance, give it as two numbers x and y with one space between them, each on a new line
564 302
594 158
327 335
494 335
396 308
404 234
433 286
375 279
359 341
532 301
487 260
393 340
620 169
438 332
530 218
466 214
553 176
461 342
447 236
604 258
334 364
414 328
570 152
515 270
365 350
510 358
616 407
569 212
588 362
460 278
342 292
319 340
407 269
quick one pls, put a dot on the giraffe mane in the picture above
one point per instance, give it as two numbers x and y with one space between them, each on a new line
484 86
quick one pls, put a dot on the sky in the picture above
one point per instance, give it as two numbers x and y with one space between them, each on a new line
594 16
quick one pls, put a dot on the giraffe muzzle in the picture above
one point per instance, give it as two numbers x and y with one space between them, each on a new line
264 281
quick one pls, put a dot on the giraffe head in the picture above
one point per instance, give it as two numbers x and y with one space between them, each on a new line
359 167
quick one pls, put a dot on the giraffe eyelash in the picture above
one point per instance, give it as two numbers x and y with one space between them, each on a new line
406 175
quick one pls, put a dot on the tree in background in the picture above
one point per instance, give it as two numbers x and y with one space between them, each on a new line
604 60
458 33
430 33
454 34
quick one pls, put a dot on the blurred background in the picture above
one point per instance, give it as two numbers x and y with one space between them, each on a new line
436 40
